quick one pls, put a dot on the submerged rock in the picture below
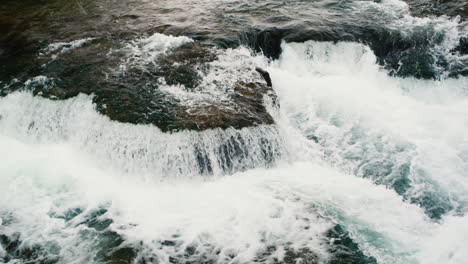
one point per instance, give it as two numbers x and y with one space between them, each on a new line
181 71
141 91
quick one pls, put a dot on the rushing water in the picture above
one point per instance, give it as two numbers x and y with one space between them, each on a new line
366 162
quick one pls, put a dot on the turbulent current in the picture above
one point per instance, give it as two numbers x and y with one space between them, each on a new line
365 159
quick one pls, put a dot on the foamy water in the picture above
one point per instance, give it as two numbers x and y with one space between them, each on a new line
405 133
385 158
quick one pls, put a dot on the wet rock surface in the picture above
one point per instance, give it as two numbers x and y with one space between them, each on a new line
90 68
133 96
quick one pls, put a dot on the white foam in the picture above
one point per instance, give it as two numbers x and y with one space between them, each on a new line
219 77
293 207
361 116
144 51
447 244
38 80
200 213
62 47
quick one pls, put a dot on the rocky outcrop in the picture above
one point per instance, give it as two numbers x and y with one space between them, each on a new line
136 95
182 70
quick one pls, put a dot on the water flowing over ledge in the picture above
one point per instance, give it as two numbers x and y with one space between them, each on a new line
365 161
138 150
392 130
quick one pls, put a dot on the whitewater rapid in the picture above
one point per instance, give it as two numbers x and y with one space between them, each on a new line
405 133
342 121
385 158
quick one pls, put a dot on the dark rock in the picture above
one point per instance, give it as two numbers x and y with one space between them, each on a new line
245 109
267 41
131 16
265 75
179 66
134 97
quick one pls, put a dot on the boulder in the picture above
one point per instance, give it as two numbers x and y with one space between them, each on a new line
135 95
